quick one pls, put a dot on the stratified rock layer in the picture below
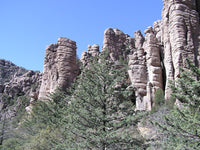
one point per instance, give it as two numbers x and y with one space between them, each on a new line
166 46
117 43
154 60
60 67
138 76
152 49
180 36
91 52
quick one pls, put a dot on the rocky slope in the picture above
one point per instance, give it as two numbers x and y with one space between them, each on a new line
16 81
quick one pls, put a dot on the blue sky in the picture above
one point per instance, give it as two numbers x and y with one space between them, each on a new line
28 26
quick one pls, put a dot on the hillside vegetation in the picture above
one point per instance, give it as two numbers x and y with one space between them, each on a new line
98 112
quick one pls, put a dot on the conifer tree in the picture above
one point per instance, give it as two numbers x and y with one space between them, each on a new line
102 112
182 124
44 128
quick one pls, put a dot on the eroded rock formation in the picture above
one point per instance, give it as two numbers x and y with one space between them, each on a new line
60 67
25 84
180 36
117 43
145 69
17 81
152 49
138 76
139 39
166 46
91 52
154 60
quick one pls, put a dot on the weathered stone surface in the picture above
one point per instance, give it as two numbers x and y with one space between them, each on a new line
180 36
17 81
152 49
138 76
154 60
117 43
23 85
8 71
91 52
139 39
145 67
157 29
60 67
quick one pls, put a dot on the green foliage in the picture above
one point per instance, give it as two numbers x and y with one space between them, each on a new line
45 128
11 117
47 112
45 139
11 144
96 113
7 101
159 100
182 124
170 102
102 115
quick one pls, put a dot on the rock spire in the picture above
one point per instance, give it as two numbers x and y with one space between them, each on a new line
60 67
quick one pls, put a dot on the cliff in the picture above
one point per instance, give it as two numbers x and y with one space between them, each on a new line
60 66
154 59
15 82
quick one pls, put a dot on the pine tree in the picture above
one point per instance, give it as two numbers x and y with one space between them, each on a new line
44 127
102 112
182 124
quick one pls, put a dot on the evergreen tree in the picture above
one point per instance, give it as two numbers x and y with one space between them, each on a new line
44 128
182 124
102 111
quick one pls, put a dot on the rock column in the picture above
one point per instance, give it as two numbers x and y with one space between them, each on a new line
60 67
153 61
181 30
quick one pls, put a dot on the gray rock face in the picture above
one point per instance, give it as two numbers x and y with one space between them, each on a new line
166 45
17 81
145 69
143 53
23 85
157 29
139 39
116 42
8 71
60 67
180 36
91 52
154 60
138 76
152 49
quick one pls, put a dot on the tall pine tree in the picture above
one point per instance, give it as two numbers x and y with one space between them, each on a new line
102 110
